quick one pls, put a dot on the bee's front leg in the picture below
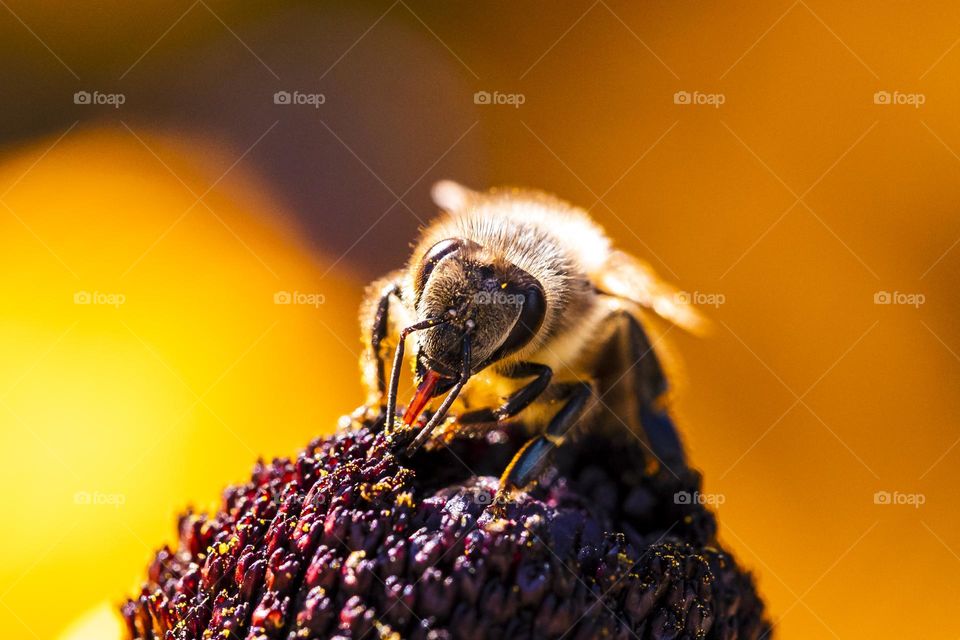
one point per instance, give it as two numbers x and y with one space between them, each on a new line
375 318
519 399
531 459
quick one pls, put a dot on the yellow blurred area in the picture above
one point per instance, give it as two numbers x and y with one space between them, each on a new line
145 364
100 623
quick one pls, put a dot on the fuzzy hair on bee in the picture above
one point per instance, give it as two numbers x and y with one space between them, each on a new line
515 304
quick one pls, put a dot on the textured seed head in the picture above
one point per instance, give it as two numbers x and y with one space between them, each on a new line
348 540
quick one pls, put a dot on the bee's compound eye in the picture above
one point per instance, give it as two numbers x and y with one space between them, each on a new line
433 256
441 249
430 259
528 323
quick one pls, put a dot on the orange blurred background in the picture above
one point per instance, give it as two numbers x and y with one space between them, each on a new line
792 166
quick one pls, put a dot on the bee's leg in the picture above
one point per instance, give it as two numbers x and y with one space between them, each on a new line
444 407
633 386
519 399
538 451
378 331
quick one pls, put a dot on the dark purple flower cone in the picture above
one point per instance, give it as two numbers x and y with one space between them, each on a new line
349 541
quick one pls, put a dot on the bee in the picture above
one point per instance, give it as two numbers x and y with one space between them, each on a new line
517 307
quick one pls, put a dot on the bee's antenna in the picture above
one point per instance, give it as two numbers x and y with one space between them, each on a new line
397 365
437 417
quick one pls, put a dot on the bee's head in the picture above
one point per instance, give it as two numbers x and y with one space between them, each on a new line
498 304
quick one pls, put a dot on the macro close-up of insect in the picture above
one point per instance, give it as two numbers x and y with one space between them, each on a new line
517 307
394 319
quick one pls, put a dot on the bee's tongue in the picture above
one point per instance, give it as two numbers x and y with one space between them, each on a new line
422 397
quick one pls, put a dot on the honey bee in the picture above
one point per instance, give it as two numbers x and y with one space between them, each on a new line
516 305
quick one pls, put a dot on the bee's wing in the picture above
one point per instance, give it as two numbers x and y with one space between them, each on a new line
450 195
627 277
